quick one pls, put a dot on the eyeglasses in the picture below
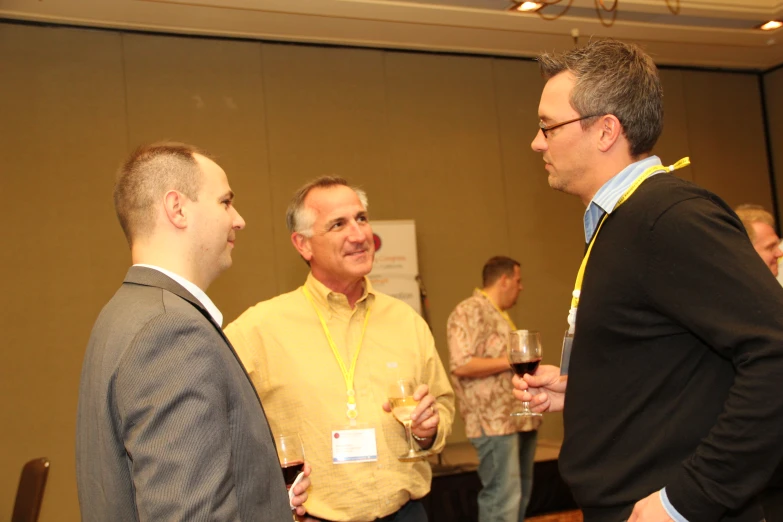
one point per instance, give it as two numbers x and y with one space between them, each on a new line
544 128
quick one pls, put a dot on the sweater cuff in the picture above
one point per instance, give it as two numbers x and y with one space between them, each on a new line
689 500
673 513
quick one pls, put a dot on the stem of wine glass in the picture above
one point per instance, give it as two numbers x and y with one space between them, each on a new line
409 434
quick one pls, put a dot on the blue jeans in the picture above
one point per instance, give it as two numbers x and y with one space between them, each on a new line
506 474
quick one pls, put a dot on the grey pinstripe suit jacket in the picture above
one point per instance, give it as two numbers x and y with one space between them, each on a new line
169 428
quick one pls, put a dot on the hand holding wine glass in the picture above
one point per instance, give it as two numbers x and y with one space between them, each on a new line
402 404
296 472
524 355
545 390
291 455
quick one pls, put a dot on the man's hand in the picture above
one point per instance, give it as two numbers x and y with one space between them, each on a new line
425 417
300 492
650 509
545 391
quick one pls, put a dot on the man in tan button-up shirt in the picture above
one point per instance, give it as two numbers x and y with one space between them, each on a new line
299 349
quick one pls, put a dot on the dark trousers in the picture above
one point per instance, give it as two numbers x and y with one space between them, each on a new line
413 511
772 502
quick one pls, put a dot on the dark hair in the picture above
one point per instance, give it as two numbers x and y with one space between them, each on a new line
495 268
146 176
615 78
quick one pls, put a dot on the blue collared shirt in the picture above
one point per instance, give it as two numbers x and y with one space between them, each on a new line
607 196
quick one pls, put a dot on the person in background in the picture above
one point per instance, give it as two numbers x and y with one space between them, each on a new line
761 230
478 331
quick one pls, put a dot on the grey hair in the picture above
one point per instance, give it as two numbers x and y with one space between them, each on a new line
615 78
299 218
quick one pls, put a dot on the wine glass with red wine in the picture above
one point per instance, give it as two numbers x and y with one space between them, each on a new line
291 455
524 355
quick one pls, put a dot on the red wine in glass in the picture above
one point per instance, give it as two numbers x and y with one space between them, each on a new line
524 356
523 367
290 471
291 455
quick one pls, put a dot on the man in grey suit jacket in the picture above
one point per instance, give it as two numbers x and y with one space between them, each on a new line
169 426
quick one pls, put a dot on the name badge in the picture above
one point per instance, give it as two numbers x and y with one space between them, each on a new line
354 445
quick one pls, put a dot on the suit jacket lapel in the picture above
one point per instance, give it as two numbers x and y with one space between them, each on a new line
141 275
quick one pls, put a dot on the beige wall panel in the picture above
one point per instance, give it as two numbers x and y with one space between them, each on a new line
210 93
674 142
325 117
444 140
62 132
545 226
773 87
445 174
726 136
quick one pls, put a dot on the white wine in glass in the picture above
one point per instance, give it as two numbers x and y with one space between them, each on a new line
402 405
524 355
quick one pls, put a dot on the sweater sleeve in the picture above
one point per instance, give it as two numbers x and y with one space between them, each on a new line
704 274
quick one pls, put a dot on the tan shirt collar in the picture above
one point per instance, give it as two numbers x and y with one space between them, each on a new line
327 299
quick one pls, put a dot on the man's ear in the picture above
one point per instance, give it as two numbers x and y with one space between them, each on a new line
610 129
302 245
174 206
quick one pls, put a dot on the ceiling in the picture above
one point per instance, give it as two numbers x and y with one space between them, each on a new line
706 33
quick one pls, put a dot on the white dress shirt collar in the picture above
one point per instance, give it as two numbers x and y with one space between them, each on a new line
197 292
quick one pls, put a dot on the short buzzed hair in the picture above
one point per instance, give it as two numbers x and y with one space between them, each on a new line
750 214
146 176
299 218
495 268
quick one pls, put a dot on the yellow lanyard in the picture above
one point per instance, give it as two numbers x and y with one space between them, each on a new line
501 312
684 162
348 374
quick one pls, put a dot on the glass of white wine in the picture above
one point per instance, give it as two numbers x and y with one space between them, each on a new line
402 405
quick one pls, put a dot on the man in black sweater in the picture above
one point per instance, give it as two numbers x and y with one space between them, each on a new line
674 409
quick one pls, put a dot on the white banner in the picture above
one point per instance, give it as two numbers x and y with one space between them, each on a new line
396 261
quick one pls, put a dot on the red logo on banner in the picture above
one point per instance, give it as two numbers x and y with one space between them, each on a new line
377 240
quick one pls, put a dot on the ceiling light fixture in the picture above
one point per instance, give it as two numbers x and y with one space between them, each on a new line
527 7
771 25
606 14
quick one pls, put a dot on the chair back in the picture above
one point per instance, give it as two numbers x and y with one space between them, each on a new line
31 490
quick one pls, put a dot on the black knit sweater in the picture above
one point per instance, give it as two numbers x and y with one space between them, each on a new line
676 377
